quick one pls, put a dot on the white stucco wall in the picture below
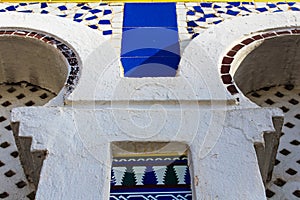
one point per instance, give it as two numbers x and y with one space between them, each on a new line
194 108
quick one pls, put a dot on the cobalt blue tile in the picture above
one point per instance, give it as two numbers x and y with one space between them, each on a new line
244 9
85 8
77 20
209 15
192 24
229 6
77 15
216 6
295 9
25 11
62 8
291 3
106 12
198 9
234 13
150 66
104 21
23 4
62 15
190 12
94 11
271 5
80 4
262 9
93 26
206 5
10 8
248 3
2 10
44 5
201 19
44 12
234 3
91 18
150 39
108 32
217 22
150 15
195 35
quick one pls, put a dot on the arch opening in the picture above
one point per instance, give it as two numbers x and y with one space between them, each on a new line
270 77
32 61
34 68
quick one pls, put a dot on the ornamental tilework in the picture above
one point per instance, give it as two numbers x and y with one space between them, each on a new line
150 177
203 15
97 16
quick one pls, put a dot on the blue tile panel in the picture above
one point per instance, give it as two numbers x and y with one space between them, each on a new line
210 14
90 14
150 43
150 178
150 15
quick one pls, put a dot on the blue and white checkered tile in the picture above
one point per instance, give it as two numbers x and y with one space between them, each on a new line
94 15
203 15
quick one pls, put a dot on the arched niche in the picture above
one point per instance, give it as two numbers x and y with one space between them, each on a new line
265 69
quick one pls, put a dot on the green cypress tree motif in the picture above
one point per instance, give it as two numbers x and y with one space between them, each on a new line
129 178
170 177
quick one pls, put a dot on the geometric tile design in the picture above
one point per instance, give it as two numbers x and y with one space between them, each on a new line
285 183
230 56
14 184
150 43
203 15
94 15
150 177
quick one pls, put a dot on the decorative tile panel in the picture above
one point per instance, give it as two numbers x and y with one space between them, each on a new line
201 16
150 177
94 15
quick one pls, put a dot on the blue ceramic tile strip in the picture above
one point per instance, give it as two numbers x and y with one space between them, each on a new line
150 43
210 14
89 14
150 178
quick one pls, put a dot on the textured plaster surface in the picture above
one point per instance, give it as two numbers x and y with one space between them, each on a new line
78 144
193 108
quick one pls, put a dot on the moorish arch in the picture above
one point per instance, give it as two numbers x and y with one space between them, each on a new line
263 66
39 65
219 128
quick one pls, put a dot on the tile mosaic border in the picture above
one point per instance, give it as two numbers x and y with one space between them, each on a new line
151 177
69 54
97 16
231 55
202 15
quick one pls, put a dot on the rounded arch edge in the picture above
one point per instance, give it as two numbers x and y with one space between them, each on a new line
74 41
209 48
